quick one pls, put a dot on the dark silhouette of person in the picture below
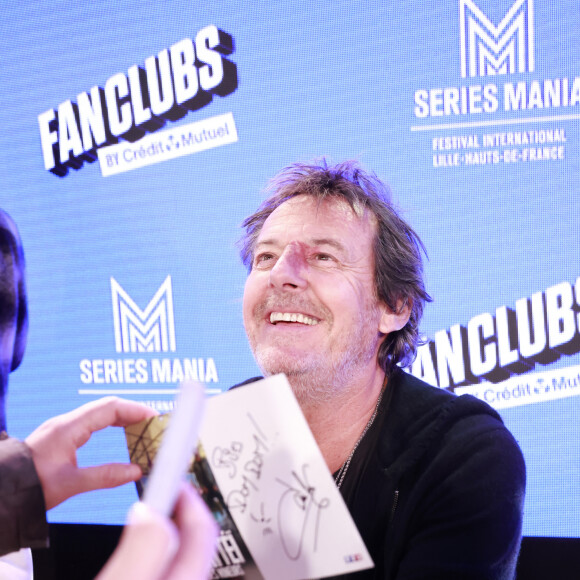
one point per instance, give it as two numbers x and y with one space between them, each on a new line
13 306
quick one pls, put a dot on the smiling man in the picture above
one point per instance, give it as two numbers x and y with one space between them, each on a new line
333 299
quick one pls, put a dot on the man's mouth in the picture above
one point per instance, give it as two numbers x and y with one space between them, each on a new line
292 317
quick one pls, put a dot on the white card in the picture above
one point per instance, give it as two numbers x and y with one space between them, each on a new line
277 486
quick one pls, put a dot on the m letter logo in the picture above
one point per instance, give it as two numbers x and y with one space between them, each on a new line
487 49
149 330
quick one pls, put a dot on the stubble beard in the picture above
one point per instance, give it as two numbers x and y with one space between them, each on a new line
317 376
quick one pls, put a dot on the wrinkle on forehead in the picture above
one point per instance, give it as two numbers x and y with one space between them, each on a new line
335 201
332 204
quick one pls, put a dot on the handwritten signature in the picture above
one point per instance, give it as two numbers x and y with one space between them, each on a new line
228 457
256 463
263 520
298 508
250 472
238 498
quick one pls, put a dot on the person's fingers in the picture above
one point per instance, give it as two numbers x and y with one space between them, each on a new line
148 547
54 444
77 426
148 544
105 476
70 480
105 412
198 536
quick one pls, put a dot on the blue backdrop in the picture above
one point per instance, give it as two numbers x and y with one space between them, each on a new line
468 109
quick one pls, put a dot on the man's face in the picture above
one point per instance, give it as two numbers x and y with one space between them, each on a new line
310 309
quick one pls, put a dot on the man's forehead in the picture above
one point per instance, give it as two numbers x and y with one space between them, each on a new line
316 211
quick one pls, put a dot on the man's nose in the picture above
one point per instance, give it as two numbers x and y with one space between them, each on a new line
291 269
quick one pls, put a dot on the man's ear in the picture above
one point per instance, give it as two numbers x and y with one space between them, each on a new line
395 320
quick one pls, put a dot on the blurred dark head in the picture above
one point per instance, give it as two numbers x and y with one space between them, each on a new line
13 305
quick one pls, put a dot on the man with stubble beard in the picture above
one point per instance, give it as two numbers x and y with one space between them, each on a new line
334 296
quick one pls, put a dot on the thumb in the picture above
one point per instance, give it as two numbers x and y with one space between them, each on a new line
106 476
148 544
73 480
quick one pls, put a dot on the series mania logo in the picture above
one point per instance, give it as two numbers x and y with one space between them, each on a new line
145 331
488 50
180 79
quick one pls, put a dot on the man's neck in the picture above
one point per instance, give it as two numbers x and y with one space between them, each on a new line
338 423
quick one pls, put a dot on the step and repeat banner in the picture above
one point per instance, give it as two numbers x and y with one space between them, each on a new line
136 136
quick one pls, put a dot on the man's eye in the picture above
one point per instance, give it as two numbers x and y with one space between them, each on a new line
323 257
262 258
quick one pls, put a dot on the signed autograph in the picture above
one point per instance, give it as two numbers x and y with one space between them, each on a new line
238 498
244 462
298 509
228 457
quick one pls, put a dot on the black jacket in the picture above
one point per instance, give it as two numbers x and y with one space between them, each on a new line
22 510
440 493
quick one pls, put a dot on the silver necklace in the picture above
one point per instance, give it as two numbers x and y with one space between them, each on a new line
344 467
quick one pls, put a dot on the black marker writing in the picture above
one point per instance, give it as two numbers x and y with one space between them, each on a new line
299 505
227 457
